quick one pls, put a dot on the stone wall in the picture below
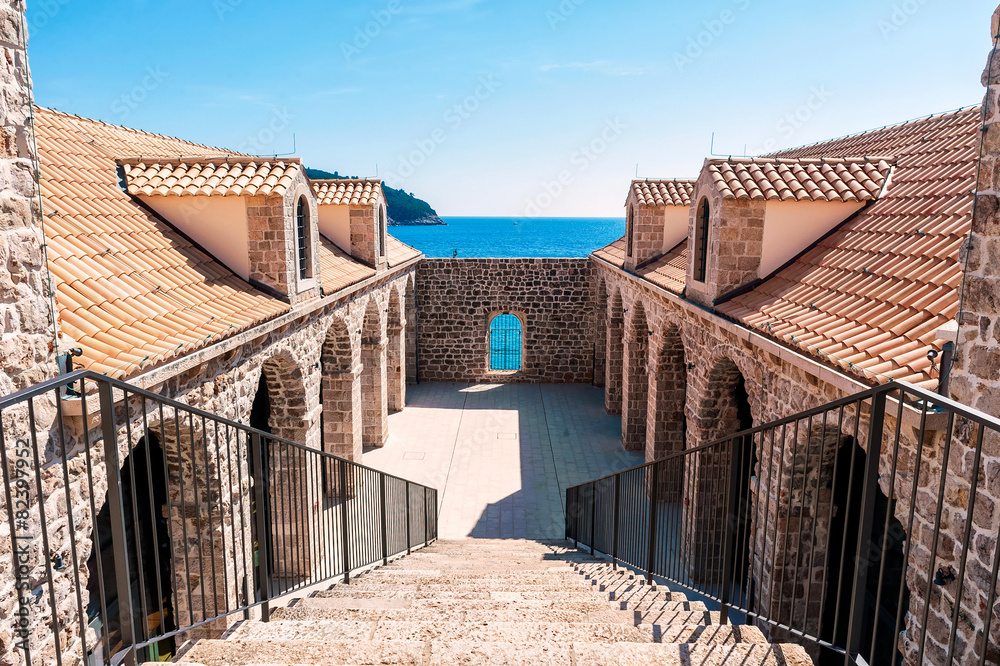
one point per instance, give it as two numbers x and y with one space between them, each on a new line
555 297
27 354
26 349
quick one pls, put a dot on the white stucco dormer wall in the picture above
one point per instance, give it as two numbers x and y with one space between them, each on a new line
675 226
792 226
335 224
218 224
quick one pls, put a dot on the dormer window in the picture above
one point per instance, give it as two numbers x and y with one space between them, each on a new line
629 228
701 229
302 239
382 232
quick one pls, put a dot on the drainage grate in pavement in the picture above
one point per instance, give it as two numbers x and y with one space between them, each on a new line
413 455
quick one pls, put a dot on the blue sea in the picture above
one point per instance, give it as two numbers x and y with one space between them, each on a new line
475 237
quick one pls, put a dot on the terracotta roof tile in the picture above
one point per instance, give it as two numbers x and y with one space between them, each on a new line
827 178
398 252
206 176
870 297
663 192
614 253
670 270
130 290
338 269
348 192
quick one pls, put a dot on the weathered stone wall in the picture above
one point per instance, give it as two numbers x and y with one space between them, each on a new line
457 297
26 350
976 376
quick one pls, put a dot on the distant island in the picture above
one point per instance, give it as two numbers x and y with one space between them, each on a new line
404 208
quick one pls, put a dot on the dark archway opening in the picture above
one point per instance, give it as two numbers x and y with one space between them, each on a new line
143 484
883 557
746 451
260 418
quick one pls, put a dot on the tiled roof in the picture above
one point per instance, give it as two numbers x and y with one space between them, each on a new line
826 178
220 176
347 192
614 253
130 290
869 297
663 192
670 270
337 269
397 252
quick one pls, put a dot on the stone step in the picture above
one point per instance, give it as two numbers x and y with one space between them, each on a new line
491 579
586 605
405 653
258 652
510 614
512 632
472 592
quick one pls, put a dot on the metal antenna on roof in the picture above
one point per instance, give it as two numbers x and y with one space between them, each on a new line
293 149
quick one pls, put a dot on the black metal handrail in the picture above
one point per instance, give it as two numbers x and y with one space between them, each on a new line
794 527
139 522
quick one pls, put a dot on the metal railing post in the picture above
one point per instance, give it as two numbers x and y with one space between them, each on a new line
344 531
426 516
729 537
651 552
871 490
384 526
408 542
593 516
116 506
614 532
263 542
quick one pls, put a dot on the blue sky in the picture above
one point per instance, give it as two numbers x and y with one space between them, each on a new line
508 107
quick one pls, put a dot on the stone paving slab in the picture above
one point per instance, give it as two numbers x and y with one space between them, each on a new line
502 456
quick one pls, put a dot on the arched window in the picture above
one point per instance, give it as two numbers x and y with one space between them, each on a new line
701 229
302 238
382 233
506 342
629 227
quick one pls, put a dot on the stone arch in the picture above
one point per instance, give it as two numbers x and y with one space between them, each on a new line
723 408
395 353
341 393
613 377
635 388
667 396
601 335
287 393
410 312
291 505
374 396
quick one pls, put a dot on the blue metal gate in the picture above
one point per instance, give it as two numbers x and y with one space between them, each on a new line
505 342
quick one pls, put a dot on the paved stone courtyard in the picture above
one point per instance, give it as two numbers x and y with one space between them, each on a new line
502 456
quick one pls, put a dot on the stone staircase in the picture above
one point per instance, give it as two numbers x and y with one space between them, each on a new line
495 602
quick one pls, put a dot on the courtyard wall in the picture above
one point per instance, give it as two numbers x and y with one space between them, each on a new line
555 299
